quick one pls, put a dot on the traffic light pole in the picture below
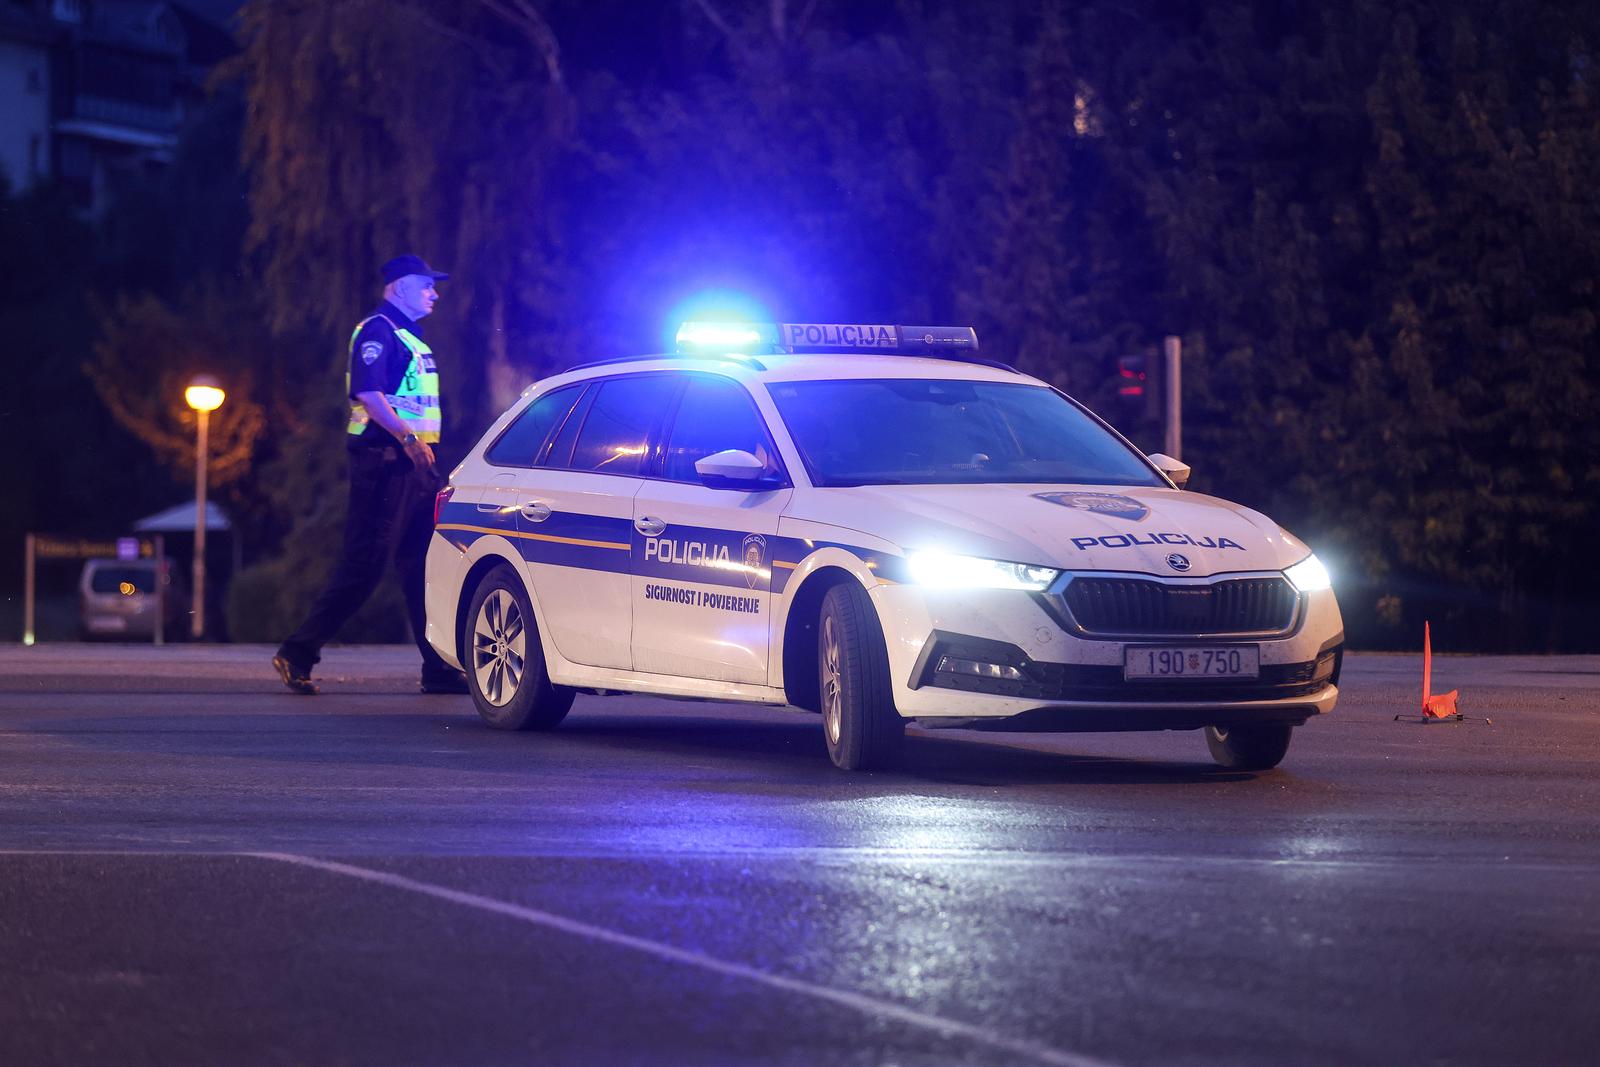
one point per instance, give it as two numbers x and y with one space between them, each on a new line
1172 391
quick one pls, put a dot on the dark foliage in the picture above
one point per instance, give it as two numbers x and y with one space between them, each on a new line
1372 225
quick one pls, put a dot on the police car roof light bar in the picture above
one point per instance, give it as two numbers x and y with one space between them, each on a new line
864 337
700 337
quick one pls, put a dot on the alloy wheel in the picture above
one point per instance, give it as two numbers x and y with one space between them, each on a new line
499 648
832 697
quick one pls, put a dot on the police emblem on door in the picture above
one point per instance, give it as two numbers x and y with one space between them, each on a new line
752 554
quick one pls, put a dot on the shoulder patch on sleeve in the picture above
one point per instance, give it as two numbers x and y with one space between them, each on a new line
370 351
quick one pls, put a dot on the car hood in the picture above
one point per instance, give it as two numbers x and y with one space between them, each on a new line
1105 528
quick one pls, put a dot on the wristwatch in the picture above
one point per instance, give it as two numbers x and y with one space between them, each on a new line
408 439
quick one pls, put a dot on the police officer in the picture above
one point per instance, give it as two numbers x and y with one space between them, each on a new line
393 387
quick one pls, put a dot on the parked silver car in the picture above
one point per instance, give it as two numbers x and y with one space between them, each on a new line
118 600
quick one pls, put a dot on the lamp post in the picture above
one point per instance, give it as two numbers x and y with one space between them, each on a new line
205 395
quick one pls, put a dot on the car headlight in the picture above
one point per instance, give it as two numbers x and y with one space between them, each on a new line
970 572
1309 575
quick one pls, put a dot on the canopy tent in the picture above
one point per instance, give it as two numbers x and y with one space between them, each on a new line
180 519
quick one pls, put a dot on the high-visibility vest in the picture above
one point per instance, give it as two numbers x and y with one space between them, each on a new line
417 399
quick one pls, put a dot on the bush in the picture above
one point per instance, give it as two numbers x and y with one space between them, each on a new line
267 601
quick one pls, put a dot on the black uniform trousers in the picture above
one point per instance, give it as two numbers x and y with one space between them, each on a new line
390 518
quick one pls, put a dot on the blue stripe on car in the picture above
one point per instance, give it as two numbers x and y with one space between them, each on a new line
592 542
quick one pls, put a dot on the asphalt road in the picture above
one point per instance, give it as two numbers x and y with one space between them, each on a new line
199 867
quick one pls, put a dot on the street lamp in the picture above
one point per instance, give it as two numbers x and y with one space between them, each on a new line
205 395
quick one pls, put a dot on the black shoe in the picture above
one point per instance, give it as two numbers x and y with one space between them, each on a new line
454 682
297 678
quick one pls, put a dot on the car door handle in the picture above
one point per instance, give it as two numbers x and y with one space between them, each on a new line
534 511
649 527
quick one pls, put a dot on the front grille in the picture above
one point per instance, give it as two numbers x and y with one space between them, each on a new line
1105 684
1137 606
1064 681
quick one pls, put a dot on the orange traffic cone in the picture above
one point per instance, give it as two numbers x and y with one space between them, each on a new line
1442 706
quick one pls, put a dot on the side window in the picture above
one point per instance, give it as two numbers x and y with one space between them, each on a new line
617 429
522 441
560 452
714 415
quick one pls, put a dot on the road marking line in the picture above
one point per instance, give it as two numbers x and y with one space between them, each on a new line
855 1001
856 856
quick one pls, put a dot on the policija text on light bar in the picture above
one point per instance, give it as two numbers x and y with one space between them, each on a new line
841 337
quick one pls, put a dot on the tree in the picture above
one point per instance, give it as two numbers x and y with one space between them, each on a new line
146 355
377 127
1489 251
1370 226
1357 219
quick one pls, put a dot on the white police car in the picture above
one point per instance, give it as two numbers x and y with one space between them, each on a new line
872 523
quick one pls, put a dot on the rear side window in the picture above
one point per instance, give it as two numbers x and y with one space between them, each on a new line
112 580
559 454
522 441
715 415
617 429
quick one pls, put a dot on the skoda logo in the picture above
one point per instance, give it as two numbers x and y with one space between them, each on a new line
1177 562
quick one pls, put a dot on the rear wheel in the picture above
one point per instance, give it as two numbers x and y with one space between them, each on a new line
505 662
859 721
1249 748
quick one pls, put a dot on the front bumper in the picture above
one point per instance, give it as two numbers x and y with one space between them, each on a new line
1059 679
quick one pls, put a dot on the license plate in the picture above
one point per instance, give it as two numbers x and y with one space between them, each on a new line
111 624
1191 662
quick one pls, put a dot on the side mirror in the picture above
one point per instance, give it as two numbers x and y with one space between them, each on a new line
734 469
1177 470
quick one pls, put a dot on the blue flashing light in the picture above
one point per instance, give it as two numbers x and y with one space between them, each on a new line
726 336
730 306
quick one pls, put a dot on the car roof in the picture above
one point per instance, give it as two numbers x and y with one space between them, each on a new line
814 367
800 367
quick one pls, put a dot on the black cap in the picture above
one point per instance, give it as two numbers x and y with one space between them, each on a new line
400 266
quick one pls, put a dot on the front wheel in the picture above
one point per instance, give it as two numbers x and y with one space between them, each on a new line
859 721
505 662
1249 748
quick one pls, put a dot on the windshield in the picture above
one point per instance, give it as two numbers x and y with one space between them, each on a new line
893 431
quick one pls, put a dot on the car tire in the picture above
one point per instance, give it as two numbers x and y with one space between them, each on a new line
505 661
862 729
1249 748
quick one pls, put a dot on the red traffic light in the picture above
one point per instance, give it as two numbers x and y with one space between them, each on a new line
1131 375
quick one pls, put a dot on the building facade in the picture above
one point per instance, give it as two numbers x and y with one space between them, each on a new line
91 89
